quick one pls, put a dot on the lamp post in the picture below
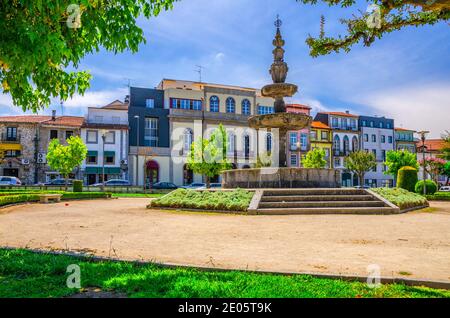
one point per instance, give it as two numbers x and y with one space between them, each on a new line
137 117
423 136
103 164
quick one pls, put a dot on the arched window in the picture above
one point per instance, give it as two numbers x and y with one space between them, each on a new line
152 171
247 147
246 105
231 105
269 142
188 139
346 145
336 143
231 143
355 144
214 104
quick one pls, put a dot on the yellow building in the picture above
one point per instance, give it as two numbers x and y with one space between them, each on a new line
321 137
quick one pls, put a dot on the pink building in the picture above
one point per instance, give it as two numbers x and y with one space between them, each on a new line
298 141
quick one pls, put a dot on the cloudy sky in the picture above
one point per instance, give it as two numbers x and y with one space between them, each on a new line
405 76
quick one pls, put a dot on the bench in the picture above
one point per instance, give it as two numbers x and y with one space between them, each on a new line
45 198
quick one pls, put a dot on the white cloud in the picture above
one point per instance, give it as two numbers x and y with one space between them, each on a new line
415 107
219 57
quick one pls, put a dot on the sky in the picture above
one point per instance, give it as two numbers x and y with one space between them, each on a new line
405 75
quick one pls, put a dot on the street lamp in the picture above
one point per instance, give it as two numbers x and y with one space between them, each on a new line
423 136
137 117
103 165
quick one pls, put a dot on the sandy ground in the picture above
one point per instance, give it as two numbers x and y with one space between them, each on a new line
412 245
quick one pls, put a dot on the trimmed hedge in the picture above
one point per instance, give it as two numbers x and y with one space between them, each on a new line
15 197
11 199
77 186
431 187
407 178
237 200
401 197
439 196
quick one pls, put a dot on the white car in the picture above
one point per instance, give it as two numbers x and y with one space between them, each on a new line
445 189
10 181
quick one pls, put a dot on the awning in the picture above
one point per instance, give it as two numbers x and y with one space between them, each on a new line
92 153
6 147
110 153
99 170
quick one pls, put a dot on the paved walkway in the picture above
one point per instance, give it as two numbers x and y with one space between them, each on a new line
412 245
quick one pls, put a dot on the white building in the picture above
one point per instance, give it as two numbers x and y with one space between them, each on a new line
105 133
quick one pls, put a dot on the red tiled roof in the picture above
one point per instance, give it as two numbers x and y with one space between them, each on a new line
32 119
71 121
404 129
432 144
340 114
319 125
298 106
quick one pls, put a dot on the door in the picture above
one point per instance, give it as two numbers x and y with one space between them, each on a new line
11 172
92 179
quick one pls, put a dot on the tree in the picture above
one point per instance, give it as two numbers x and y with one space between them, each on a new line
446 171
397 159
66 158
359 162
42 40
446 148
381 17
315 159
209 156
433 166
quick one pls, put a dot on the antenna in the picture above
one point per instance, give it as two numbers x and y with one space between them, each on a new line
199 71
128 84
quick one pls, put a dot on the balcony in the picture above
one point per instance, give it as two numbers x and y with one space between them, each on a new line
10 140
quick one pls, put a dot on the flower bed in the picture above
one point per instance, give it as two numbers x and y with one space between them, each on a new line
237 200
402 198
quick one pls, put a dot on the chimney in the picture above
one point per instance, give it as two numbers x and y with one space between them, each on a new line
53 115
127 99
347 112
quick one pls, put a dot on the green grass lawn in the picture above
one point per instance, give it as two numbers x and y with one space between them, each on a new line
27 274
401 197
137 195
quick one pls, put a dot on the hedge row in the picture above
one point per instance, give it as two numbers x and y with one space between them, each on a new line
11 198
439 196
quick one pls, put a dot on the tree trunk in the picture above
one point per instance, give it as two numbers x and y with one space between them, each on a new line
361 180
208 182
65 182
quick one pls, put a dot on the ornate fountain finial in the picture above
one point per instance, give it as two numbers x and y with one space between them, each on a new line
279 68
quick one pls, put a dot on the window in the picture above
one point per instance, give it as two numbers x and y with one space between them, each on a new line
12 153
344 123
293 140
150 103
187 139
335 122
11 133
246 107
92 137
364 123
264 110
381 125
69 133
383 139
355 145
98 119
231 138
109 157
327 152
353 123
214 104
371 124
187 104
324 135
388 126
313 135
374 151
304 142
151 132
294 160
269 142
53 134
337 162
390 139
116 120
374 138
110 137
383 154
346 145
247 147
366 137
91 159
231 105
336 143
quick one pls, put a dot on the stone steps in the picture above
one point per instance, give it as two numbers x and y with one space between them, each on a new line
319 201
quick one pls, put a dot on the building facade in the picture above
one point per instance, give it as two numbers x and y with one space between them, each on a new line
377 136
433 149
345 140
298 141
404 140
321 137
105 133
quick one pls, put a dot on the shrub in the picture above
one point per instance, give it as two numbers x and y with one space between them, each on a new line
11 199
77 186
237 200
431 187
407 178
401 197
439 196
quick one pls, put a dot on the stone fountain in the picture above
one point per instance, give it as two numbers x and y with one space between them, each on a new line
282 121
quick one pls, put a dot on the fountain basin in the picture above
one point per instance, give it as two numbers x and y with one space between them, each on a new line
279 90
280 178
288 121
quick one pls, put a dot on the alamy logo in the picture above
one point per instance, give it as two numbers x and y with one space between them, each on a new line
374 19
74 279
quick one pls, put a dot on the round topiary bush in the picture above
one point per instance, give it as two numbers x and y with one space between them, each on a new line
77 186
407 178
430 185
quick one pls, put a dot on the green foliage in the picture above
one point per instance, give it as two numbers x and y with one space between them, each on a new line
77 185
209 156
366 27
439 196
264 160
446 148
360 162
39 48
401 197
18 198
407 178
26 274
431 187
66 158
237 200
11 197
397 159
315 159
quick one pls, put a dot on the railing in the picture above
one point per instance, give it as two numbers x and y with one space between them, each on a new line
10 140
115 189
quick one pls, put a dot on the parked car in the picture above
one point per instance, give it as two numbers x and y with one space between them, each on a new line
363 187
445 189
10 181
162 186
59 182
194 185
212 186
114 183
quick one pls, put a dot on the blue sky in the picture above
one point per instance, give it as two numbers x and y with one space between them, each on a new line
405 75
